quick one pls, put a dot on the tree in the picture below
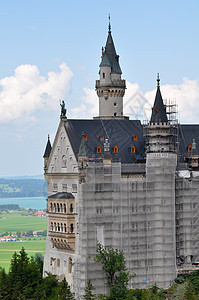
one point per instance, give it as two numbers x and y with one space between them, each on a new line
117 276
64 291
88 291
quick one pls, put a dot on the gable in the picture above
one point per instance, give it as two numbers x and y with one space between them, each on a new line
62 158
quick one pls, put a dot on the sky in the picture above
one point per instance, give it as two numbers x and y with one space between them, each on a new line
50 51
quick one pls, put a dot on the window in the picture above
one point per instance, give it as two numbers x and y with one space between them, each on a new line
103 75
115 104
115 114
189 148
71 228
135 138
99 149
51 261
55 188
115 150
85 137
65 228
101 137
64 208
58 262
69 265
133 149
71 208
51 207
74 188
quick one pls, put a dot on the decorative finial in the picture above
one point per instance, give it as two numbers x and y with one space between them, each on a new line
158 80
48 137
109 26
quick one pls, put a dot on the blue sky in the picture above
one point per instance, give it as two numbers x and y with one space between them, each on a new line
51 50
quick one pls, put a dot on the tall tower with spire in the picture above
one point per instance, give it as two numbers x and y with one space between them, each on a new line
161 162
110 87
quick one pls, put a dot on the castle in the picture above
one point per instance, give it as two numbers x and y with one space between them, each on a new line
127 185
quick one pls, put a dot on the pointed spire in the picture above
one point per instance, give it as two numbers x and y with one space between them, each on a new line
110 51
109 25
158 111
158 80
48 148
83 150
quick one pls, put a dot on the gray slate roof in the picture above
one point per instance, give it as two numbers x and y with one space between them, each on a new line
110 56
118 132
48 149
62 196
158 111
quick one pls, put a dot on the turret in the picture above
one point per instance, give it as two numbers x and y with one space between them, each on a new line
110 87
46 155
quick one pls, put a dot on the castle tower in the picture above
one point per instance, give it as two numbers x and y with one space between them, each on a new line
161 162
110 87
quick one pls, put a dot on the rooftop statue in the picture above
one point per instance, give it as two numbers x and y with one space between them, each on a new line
63 109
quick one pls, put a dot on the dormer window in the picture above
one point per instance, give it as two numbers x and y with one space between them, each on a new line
189 148
115 149
99 149
135 138
85 137
133 149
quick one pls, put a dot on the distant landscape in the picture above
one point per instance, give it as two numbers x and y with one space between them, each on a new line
15 187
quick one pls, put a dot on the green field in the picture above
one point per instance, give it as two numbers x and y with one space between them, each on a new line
13 222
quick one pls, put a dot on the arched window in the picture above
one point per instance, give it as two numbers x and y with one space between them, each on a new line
58 227
71 208
71 228
54 207
58 207
55 227
65 228
61 208
135 138
103 75
99 149
189 148
70 265
133 149
64 208
61 227
51 206
51 226
115 150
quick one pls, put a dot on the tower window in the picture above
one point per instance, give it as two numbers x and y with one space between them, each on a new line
99 149
103 75
115 104
71 228
133 149
115 149
115 114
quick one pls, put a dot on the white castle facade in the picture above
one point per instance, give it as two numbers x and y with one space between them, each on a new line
123 184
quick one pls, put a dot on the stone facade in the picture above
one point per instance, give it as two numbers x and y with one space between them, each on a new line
125 185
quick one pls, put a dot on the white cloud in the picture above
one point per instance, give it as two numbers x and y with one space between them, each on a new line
138 105
28 91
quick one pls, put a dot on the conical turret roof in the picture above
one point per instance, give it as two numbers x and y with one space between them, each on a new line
110 56
158 111
48 148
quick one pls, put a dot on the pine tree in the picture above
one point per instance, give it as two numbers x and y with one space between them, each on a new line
64 291
88 291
